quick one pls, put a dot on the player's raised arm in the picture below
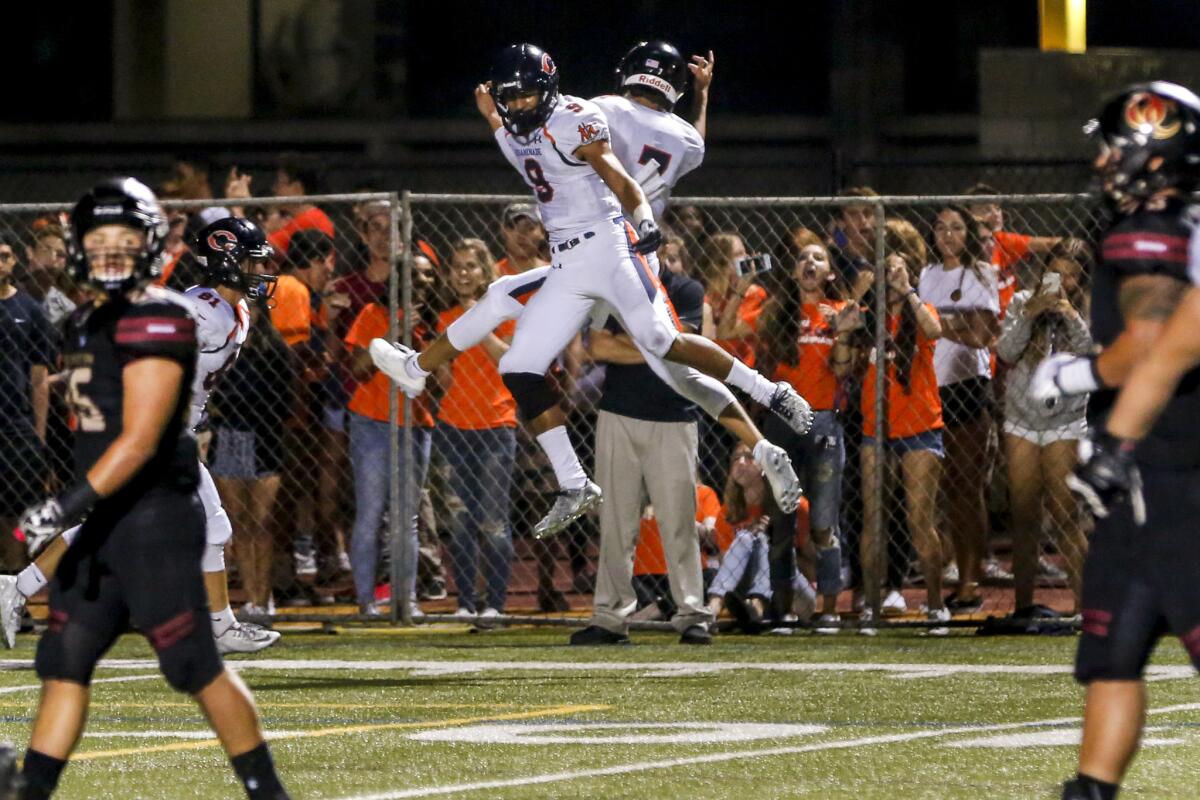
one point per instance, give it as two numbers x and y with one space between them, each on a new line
601 158
702 75
487 106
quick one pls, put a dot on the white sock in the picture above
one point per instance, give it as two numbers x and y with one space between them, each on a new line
414 369
30 581
751 382
562 457
222 620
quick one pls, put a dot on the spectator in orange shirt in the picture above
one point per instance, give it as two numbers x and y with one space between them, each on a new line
525 244
798 333
476 437
1007 249
912 429
297 175
302 314
743 581
736 300
370 434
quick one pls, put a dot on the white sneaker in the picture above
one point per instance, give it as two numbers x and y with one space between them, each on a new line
777 469
371 610
245 638
793 409
940 615
344 564
993 570
893 604
1049 570
865 619
252 611
570 505
785 631
12 604
464 613
826 620
489 618
391 358
306 564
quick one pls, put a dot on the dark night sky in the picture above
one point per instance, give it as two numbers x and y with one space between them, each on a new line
58 65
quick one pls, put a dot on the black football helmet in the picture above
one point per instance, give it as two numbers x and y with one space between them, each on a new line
118 201
519 70
1144 122
224 246
657 66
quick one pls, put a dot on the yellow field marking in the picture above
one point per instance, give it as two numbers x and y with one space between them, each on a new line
321 732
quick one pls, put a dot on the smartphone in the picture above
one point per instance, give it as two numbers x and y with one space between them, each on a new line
1051 283
753 265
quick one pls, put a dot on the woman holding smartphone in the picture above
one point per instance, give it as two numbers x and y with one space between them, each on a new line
729 276
1040 438
962 287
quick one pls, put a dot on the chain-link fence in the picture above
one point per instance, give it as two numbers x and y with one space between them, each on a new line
295 481
963 506
933 483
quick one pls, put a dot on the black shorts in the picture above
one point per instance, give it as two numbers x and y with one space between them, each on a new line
136 564
1141 583
966 401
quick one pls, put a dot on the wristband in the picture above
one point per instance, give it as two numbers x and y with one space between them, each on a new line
76 501
641 214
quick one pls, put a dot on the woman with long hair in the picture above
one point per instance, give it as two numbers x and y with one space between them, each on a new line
912 425
476 437
797 332
1041 439
961 285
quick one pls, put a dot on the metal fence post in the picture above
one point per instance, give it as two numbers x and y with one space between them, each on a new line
881 378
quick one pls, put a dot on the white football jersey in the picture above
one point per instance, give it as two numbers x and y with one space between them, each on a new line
656 147
220 331
571 195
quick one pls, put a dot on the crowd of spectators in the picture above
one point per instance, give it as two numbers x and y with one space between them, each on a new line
970 309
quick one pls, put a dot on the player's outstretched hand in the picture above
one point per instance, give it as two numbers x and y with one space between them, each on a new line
649 237
702 71
1106 475
39 524
486 105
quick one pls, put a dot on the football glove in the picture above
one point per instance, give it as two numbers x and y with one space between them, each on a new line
39 524
649 237
1106 475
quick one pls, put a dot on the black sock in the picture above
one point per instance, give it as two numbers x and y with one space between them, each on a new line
41 775
1094 789
257 771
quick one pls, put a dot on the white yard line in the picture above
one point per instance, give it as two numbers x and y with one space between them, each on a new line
124 679
714 758
666 669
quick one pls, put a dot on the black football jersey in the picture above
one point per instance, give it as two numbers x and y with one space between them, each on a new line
99 342
1148 243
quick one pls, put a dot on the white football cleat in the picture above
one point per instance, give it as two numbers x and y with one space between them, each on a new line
793 409
245 637
777 469
12 605
391 359
570 505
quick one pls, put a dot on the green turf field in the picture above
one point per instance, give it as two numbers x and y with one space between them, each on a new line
514 714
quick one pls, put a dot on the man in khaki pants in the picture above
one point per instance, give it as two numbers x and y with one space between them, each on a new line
646 437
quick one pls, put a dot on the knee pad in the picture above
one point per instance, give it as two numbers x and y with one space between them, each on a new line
829 569
67 653
187 655
535 394
213 559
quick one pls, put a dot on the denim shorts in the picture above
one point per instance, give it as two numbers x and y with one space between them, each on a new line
929 440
